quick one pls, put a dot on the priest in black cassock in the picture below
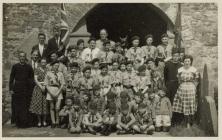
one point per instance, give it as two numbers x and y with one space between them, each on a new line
20 87
171 80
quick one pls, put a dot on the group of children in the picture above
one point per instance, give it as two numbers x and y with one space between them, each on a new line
121 91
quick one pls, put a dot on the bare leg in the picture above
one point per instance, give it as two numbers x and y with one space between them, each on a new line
39 120
58 103
52 112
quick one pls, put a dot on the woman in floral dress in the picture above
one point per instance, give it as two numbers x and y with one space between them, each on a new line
185 98
38 103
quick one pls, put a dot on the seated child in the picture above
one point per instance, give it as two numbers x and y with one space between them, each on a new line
75 118
92 120
144 122
109 119
123 99
163 112
64 113
125 120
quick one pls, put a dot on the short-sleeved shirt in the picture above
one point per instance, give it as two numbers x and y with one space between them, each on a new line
134 54
128 78
89 54
115 76
104 81
149 51
106 57
86 83
143 118
141 82
54 79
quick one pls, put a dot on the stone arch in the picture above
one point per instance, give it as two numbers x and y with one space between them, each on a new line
167 12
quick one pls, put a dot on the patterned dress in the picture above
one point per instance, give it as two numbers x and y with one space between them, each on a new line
185 98
38 102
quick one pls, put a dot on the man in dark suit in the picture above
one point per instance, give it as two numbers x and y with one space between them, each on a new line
41 47
56 44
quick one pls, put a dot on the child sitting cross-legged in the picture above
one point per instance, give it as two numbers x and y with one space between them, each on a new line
109 119
144 122
125 120
75 118
92 120
64 113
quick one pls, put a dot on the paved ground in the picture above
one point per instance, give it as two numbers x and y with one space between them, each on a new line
11 131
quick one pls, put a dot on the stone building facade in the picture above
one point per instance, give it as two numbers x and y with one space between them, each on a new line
22 22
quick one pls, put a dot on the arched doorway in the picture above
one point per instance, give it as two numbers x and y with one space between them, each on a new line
128 18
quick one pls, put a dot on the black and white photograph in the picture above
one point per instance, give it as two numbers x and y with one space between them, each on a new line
110 69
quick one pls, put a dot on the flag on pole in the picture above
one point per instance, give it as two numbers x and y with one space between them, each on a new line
178 28
64 27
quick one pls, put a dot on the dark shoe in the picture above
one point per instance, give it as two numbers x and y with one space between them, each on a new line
165 129
150 132
158 129
53 125
92 132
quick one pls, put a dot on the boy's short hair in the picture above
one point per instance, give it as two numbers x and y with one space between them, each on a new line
124 94
91 39
129 62
86 68
164 35
175 50
142 68
111 95
94 61
42 34
149 59
54 62
79 42
106 42
71 47
74 64
69 98
142 106
103 65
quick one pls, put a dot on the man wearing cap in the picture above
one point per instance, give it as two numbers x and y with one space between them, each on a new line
170 77
135 53
103 38
91 52
41 47
55 43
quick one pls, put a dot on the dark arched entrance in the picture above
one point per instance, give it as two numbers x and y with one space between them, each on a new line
132 19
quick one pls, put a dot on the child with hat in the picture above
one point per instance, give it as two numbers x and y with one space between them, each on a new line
164 50
125 120
75 118
92 120
163 112
109 119
135 53
144 122
149 50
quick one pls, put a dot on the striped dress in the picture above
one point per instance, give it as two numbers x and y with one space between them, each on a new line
185 98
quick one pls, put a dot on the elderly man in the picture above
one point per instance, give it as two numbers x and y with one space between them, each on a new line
20 86
103 38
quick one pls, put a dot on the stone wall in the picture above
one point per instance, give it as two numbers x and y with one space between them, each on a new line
21 25
200 37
